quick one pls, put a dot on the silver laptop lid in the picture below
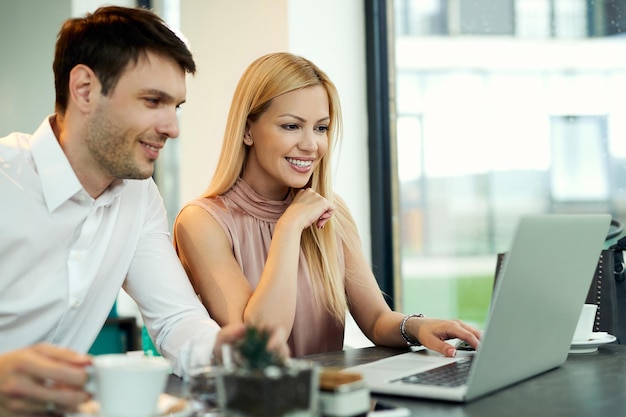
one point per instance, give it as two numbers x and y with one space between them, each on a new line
538 298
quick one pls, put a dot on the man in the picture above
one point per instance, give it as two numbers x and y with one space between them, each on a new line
81 216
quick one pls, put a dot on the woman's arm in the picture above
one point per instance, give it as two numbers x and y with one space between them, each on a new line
205 252
370 311
274 300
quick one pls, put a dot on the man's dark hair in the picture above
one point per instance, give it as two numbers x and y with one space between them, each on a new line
109 39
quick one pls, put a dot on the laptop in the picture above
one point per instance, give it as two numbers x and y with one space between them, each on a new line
534 310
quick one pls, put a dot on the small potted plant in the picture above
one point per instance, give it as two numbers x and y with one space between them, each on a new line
260 383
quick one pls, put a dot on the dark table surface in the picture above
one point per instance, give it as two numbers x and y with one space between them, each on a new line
591 384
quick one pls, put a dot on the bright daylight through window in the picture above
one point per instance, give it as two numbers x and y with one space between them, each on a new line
504 108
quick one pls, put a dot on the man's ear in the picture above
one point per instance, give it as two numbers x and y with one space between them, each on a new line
83 86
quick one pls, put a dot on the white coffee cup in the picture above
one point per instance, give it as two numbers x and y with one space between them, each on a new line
584 328
128 385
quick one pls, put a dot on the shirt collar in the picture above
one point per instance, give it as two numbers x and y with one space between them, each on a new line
58 180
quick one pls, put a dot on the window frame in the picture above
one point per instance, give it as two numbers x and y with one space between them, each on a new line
383 185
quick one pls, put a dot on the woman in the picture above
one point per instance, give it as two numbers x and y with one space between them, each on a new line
270 243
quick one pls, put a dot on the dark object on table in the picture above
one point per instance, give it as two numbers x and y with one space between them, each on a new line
260 383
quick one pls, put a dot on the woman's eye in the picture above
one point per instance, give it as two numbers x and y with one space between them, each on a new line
290 126
322 128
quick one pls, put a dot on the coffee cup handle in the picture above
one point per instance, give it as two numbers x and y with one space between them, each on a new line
90 385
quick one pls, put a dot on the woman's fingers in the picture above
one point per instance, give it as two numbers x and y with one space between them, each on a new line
312 208
434 333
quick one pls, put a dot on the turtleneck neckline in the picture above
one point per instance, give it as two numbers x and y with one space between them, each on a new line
255 204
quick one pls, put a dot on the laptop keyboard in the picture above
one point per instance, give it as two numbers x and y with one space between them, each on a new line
450 375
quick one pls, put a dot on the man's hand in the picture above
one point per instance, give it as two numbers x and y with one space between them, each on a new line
42 379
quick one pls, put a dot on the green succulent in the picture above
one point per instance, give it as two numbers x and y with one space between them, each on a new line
251 351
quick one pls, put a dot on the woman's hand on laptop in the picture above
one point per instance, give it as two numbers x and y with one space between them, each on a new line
433 333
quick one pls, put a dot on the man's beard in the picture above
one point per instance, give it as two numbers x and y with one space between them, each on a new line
112 150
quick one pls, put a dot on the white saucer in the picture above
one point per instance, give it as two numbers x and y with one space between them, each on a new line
591 345
167 402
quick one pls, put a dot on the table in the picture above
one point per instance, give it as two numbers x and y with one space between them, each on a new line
592 384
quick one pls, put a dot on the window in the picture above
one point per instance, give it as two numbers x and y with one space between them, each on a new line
167 169
580 161
496 110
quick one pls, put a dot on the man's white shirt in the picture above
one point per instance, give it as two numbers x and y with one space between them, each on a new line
65 255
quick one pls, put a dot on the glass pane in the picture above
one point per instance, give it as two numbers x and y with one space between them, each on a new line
532 18
167 170
501 111
579 159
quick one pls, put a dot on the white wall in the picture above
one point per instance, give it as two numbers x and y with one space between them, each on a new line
80 7
27 50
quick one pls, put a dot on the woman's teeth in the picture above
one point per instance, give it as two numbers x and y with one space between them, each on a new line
299 162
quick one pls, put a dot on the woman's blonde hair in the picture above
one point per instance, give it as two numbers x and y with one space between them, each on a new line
266 78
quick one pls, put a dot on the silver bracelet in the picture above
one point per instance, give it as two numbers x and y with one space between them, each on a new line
405 336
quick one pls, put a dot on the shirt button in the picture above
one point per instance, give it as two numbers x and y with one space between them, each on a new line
76 256
75 303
